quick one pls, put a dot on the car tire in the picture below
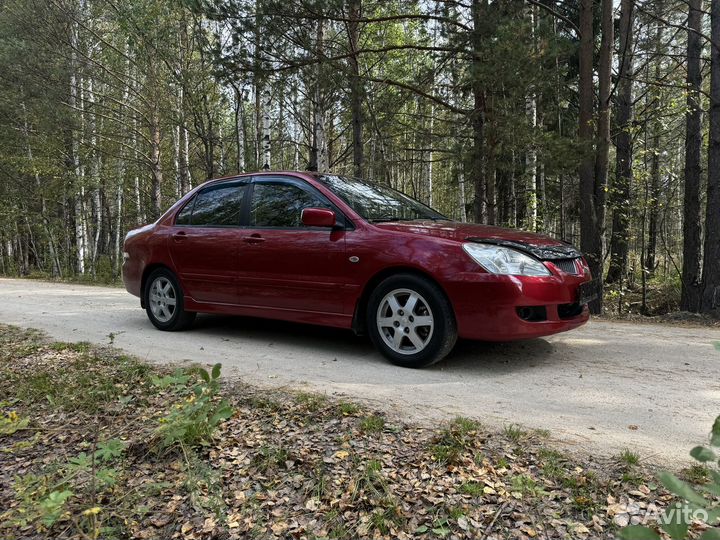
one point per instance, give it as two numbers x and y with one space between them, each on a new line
411 321
165 302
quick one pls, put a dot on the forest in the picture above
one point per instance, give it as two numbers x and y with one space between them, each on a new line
593 121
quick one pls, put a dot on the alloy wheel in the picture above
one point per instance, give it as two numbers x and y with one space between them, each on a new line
405 321
163 299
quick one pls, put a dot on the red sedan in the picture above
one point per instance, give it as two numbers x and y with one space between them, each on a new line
334 251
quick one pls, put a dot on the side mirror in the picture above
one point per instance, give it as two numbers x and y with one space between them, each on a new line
318 217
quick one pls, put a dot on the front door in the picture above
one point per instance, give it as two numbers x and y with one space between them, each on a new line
205 241
283 264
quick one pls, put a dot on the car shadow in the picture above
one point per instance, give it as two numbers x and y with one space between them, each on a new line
496 357
468 357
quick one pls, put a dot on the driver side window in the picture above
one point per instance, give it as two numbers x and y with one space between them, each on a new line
280 205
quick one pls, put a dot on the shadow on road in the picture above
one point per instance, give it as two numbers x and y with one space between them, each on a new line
468 358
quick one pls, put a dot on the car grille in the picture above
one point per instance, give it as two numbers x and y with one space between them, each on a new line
568 266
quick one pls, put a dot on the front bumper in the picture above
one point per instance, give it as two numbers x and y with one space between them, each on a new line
488 307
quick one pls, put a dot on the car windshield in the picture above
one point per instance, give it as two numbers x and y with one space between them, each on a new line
378 203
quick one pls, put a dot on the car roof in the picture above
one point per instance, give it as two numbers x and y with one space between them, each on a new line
313 174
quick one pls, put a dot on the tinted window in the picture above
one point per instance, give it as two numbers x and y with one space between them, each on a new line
375 202
219 206
183 217
280 205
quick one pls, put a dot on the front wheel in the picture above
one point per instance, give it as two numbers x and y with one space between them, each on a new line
164 302
410 321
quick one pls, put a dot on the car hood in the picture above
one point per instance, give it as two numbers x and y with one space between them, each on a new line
539 245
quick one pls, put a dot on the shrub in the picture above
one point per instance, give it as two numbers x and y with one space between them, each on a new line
696 503
193 421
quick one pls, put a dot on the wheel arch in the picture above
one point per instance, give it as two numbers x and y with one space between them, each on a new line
359 315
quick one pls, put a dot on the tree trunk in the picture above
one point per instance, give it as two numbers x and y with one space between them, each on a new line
95 168
239 130
266 104
139 209
76 102
624 150
655 142
356 85
461 196
155 165
477 117
593 176
531 153
318 149
590 239
690 296
654 199
711 262
176 159
603 132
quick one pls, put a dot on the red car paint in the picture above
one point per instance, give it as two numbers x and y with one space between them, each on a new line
308 275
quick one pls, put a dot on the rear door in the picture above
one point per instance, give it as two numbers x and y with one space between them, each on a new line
285 265
205 242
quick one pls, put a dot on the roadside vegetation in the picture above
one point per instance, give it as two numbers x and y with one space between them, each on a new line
95 444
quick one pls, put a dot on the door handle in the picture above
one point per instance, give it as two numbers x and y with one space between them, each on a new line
180 236
253 239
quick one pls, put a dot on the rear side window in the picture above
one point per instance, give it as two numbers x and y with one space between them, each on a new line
216 206
280 205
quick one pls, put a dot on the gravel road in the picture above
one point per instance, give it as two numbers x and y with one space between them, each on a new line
599 389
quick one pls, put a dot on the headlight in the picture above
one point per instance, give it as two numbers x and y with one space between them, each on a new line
503 260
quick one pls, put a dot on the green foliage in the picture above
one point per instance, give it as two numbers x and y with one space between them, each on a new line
12 422
51 507
81 486
526 486
44 499
694 502
194 420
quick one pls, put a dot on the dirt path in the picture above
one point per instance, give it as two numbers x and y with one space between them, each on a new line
604 387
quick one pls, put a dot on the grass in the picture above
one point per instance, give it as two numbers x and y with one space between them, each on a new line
372 424
696 474
79 347
265 403
269 457
374 489
526 486
79 386
472 488
628 457
383 519
632 478
551 462
453 442
514 433
347 408
369 480
311 402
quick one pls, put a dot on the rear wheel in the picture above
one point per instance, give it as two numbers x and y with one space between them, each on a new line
410 321
164 302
